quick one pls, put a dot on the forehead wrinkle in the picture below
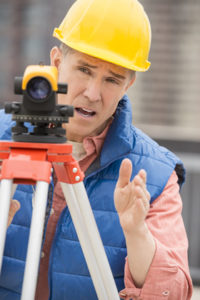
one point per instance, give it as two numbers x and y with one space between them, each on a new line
102 64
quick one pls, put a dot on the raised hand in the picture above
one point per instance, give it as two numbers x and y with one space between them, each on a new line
131 198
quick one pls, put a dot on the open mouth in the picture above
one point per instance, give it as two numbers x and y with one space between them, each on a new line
85 112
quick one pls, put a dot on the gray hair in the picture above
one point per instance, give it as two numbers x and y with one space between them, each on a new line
65 49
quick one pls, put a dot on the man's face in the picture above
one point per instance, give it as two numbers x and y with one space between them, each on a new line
94 89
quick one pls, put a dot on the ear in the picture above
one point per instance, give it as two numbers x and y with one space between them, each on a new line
55 57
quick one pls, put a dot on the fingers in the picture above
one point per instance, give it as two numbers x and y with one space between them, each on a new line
140 180
143 196
141 191
124 173
130 192
14 207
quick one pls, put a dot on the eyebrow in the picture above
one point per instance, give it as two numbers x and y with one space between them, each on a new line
117 75
86 64
82 62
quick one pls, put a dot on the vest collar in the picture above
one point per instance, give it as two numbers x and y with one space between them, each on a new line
120 138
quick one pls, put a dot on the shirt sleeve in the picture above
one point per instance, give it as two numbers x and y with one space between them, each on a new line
168 276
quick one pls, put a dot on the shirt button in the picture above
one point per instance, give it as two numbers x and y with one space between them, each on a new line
42 254
165 293
52 211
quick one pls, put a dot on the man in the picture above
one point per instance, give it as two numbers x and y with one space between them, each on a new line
132 183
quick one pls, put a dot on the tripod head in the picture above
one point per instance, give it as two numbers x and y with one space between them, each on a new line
39 107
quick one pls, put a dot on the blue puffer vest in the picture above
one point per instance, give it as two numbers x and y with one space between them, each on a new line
69 278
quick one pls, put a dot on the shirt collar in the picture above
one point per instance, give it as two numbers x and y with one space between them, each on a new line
93 144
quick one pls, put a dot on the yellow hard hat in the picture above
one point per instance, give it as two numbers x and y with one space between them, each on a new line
117 31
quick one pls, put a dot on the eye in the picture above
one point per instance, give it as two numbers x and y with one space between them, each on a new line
84 70
112 80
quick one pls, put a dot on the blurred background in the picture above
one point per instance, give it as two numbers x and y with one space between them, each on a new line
165 99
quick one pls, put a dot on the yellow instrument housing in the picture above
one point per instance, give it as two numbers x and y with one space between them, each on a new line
48 72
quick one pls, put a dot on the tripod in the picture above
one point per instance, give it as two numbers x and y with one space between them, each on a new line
33 163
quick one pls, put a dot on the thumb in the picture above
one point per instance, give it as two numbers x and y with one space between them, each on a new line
14 207
124 173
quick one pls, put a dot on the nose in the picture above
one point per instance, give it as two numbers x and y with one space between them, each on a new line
93 90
